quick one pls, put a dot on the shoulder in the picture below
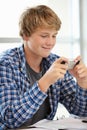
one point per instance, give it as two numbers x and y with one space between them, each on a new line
9 56
52 57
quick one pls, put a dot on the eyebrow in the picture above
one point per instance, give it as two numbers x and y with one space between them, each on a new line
48 33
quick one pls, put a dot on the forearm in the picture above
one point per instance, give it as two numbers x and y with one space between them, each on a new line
80 106
22 108
44 83
73 97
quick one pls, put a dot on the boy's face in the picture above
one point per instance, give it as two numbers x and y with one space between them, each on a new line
42 41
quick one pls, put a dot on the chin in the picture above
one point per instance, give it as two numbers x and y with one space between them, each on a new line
45 56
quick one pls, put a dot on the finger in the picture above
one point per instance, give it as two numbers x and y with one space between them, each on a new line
63 71
62 60
78 58
82 72
82 75
61 75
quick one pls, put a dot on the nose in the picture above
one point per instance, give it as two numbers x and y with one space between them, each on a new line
50 41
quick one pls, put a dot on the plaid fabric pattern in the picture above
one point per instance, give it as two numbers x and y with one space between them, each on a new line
19 101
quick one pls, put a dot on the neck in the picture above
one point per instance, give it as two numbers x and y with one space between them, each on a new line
33 60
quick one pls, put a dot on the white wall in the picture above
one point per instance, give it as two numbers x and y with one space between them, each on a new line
83 27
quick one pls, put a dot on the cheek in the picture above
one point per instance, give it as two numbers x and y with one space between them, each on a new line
35 47
36 43
54 41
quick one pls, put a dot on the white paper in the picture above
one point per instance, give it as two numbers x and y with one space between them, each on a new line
66 123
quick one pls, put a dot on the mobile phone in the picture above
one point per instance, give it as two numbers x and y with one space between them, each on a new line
71 64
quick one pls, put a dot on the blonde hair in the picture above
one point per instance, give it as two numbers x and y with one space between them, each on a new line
38 17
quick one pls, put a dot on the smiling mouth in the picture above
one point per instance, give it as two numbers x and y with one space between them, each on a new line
46 48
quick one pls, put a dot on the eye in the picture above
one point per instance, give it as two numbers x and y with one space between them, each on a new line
54 36
44 36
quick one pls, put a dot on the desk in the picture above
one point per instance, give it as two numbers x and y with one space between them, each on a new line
61 124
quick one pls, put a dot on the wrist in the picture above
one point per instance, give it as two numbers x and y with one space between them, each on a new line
43 84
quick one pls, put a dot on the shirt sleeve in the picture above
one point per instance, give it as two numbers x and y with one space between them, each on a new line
16 108
73 97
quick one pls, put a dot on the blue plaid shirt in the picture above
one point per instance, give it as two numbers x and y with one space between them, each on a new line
19 101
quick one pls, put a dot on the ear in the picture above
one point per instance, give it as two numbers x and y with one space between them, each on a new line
25 38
